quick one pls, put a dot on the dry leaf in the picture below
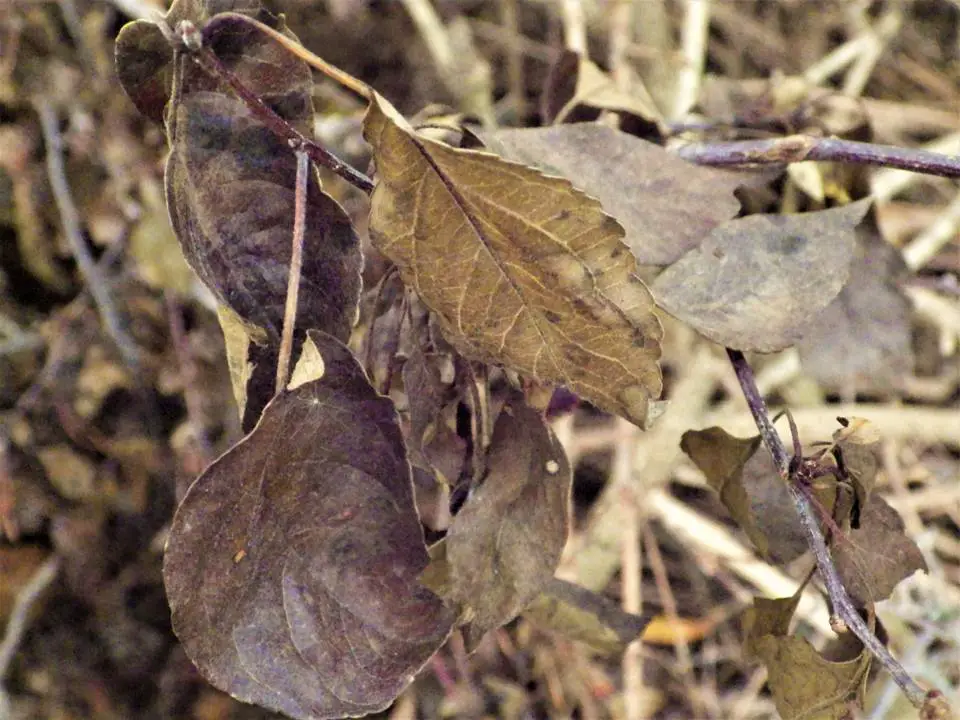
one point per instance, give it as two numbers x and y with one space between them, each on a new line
583 615
804 684
521 269
760 282
875 557
230 190
504 545
863 341
665 204
302 594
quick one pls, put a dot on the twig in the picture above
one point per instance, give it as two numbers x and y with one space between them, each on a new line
890 181
696 25
925 246
630 573
574 27
839 599
20 616
94 280
207 59
296 264
800 148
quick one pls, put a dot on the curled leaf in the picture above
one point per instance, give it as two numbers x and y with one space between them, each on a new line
292 563
521 269
230 190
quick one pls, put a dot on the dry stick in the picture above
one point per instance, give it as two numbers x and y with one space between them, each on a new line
839 599
96 283
207 59
799 148
296 264
20 615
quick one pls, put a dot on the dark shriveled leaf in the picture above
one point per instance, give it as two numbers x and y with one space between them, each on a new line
521 269
504 545
759 282
292 563
665 204
144 58
874 558
230 190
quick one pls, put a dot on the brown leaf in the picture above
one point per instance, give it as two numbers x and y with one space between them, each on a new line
574 81
292 563
583 615
874 558
521 269
760 282
505 543
666 205
804 684
230 190
863 341
722 457
144 58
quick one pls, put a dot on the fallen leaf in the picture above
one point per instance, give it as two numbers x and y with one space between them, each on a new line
666 205
521 269
504 545
874 558
230 190
585 616
302 595
575 81
760 282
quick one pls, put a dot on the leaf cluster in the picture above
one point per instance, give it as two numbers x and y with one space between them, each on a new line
297 568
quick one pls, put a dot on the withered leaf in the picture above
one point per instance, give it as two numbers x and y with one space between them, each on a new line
804 683
292 563
760 282
665 204
504 545
574 80
722 457
863 341
875 557
746 480
144 57
230 190
583 615
521 269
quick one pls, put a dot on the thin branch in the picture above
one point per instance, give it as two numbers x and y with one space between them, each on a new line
94 280
696 26
839 599
296 265
799 148
207 59
20 616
